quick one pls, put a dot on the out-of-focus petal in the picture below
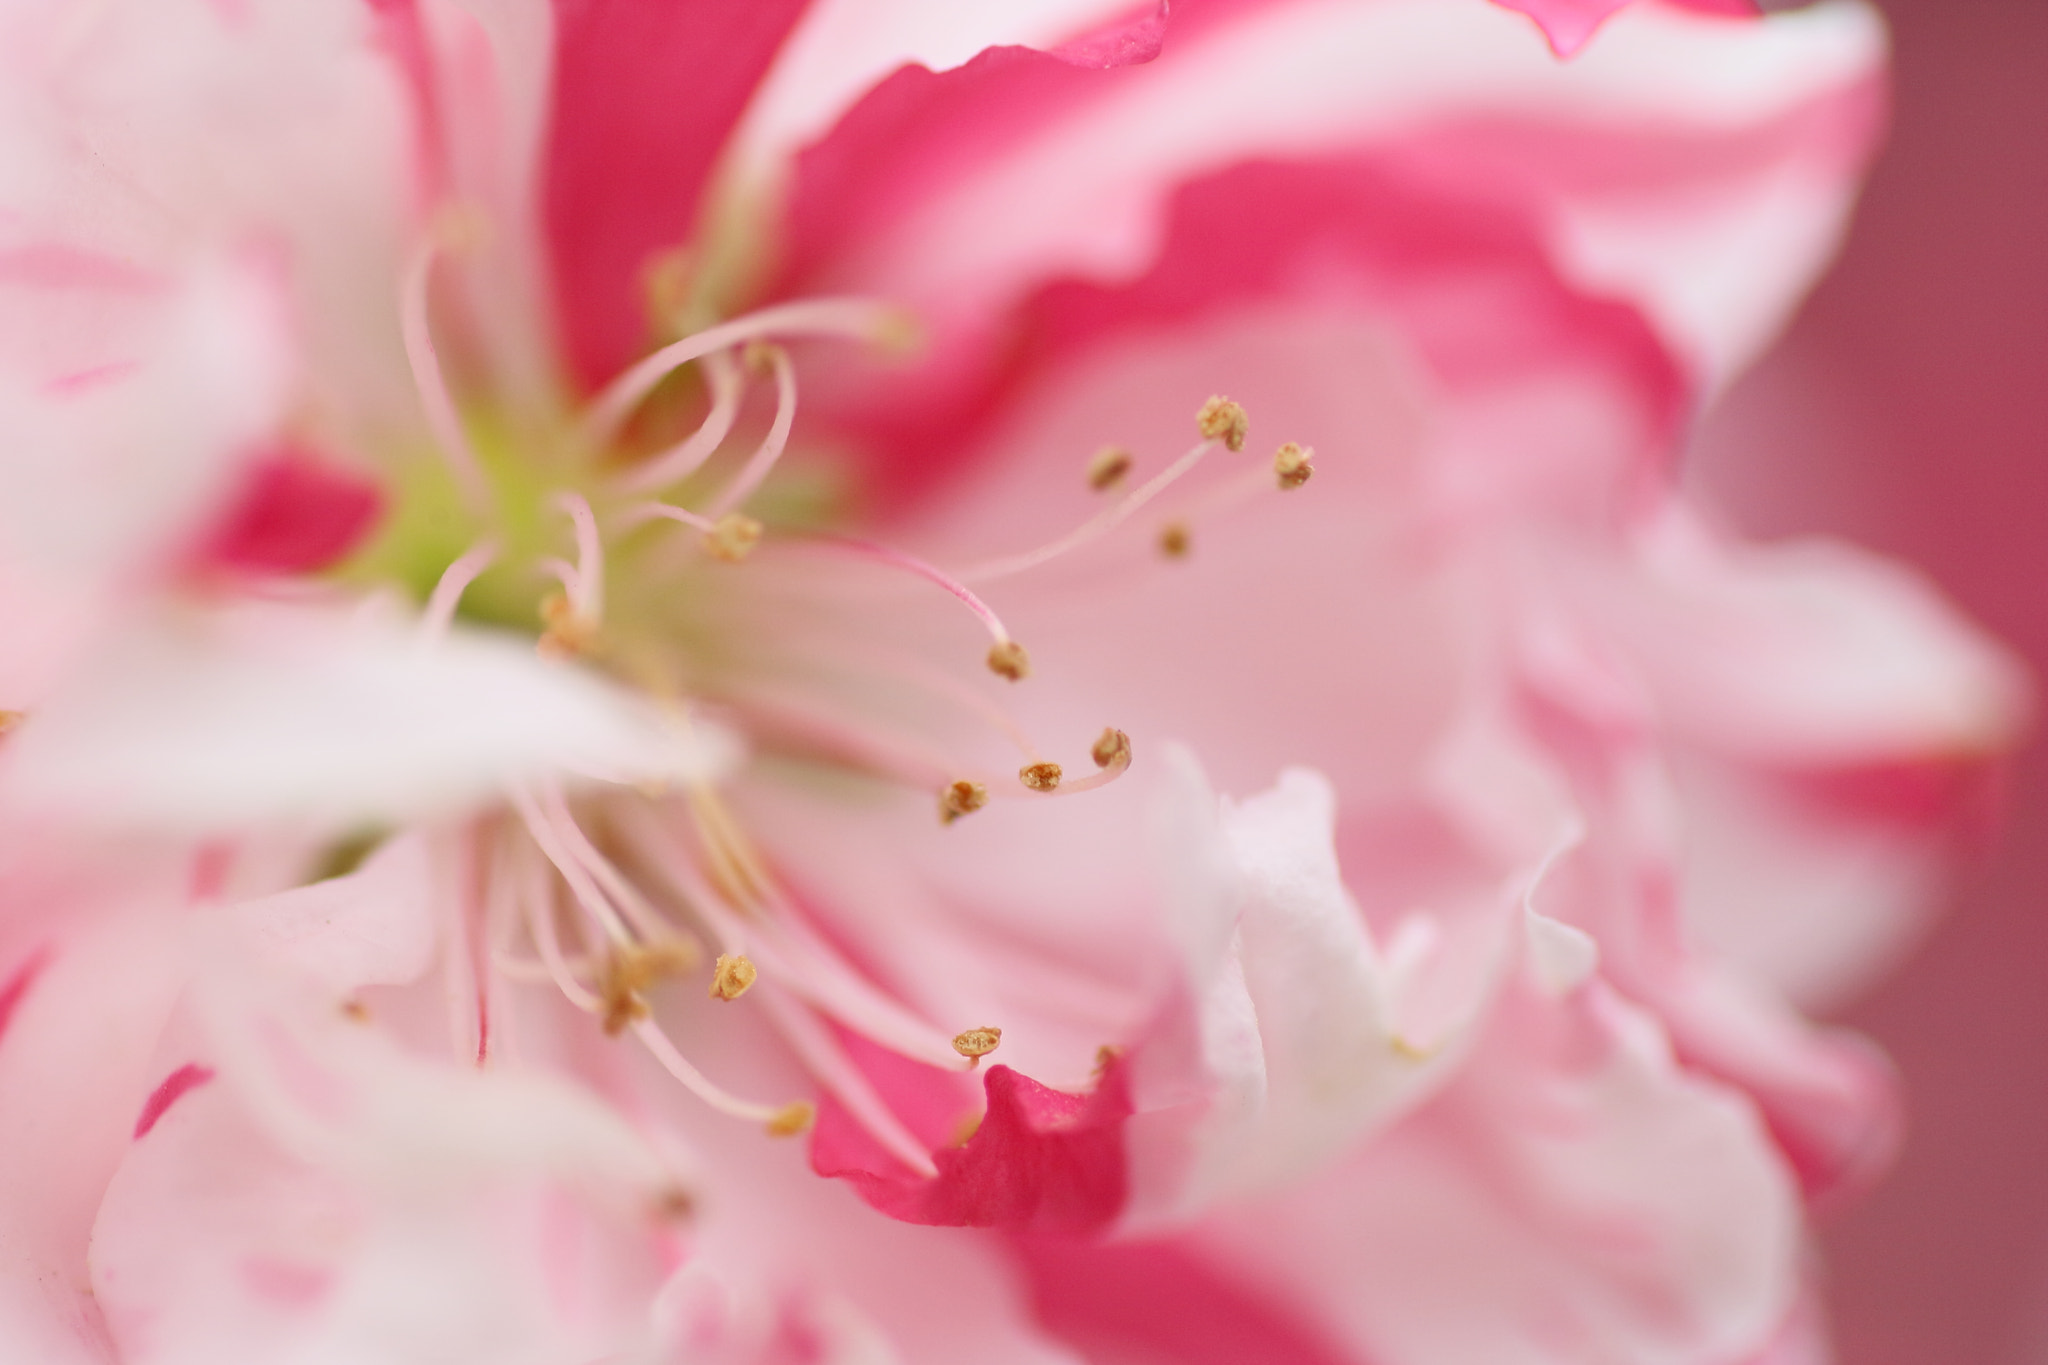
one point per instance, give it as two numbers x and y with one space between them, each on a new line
1575 1196
959 191
89 973
277 715
1568 24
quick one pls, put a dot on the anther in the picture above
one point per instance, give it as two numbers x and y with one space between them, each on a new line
1105 1058
1040 777
568 633
1291 465
731 977
355 1011
792 1119
1007 659
961 798
673 1205
1220 419
976 1043
1175 540
1108 467
1112 749
732 537
10 719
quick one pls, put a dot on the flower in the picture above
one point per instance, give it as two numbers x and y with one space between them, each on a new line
497 764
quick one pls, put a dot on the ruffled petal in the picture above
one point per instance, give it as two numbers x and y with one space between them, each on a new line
1576 1196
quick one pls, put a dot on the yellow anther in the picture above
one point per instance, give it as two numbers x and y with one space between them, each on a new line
622 1007
977 1043
1007 659
731 977
1220 419
793 1118
460 228
1112 749
1407 1051
568 632
674 1205
669 280
640 965
10 719
1105 1057
1040 777
355 1011
1107 468
961 798
1175 540
732 537
758 356
1291 465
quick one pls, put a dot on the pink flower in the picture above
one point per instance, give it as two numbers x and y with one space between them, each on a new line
375 347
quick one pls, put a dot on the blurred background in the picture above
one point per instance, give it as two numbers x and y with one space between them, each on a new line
1908 409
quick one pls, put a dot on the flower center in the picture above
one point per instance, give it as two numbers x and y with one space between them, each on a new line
626 564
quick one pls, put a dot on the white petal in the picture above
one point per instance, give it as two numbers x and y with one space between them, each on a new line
277 714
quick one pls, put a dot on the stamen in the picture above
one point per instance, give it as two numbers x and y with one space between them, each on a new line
1008 660
1107 468
450 230
540 927
823 1056
961 798
1006 657
1220 419
566 633
1112 748
10 719
772 445
1095 527
777 1119
864 319
732 977
1040 777
658 935
791 956
1175 540
587 595
442 603
1291 465
977 1043
731 538
678 462
793 1119
580 886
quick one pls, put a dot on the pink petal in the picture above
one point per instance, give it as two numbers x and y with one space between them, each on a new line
186 1078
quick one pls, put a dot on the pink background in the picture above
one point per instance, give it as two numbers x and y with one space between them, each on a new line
1908 408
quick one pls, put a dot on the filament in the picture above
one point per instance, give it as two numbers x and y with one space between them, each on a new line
442 417
586 595
1094 528
696 1081
439 612
850 317
772 445
683 459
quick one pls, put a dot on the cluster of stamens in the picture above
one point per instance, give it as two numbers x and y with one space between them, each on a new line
585 915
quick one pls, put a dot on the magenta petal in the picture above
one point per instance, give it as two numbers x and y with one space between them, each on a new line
1111 1300
186 1078
1568 24
645 93
1042 1160
294 515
